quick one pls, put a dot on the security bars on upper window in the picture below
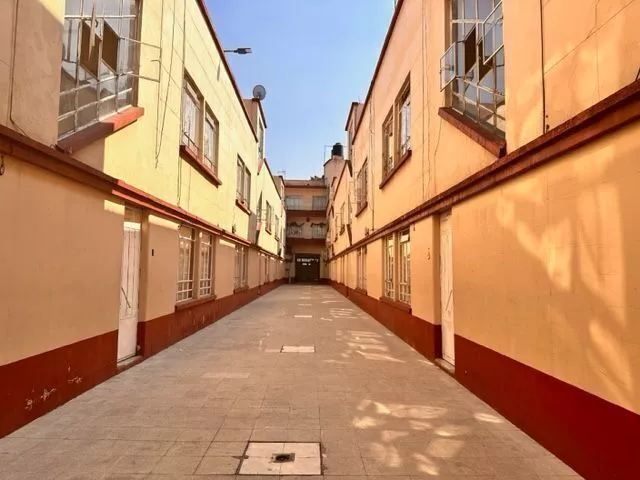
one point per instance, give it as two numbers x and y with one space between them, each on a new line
472 67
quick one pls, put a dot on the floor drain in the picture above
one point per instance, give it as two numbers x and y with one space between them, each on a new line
283 457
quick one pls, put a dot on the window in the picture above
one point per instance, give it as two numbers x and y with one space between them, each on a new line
191 116
210 158
361 187
277 233
243 187
404 266
472 68
99 61
397 246
404 121
241 267
206 264
389 266
269 217
294 230
318 230
387 145
259 209
293 202
361 259
186 238
319 203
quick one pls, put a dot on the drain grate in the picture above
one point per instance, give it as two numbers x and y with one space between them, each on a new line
283 457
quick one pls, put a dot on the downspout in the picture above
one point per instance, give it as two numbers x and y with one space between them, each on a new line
545 126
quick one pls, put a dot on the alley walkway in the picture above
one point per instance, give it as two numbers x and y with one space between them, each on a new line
378 408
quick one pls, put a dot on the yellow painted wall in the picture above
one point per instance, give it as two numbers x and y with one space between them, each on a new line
54 287
546 269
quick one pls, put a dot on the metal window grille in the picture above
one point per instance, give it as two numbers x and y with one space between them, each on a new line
294 230
269 216
364 268
404 122
206 264
389 266
387 145
277 232
210 159
243 183
186 238
319 203
318 230
241 267
191 116
362 186
472 68
342 218
294 202
100 51
404 264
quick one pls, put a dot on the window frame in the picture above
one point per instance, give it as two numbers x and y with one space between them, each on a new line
206 275
404 266
74 24
388 145
241 267
269 219
243 183
185 290
403 108
396 274
211 163
362 187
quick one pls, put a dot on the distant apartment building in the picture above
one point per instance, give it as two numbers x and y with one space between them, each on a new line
488 212
134 192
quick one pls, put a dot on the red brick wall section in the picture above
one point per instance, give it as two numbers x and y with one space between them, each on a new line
36 385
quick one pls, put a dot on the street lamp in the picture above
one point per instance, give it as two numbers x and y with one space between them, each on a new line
239 51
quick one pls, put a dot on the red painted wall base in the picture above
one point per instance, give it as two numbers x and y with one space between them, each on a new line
596 438
33 386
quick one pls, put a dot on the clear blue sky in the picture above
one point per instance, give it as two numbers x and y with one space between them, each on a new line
314 57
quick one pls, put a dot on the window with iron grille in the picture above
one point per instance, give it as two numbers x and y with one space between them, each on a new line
389 252
362 186
318 230
404 121
186 239
269 217
210 157
361 264
293 202
100 52
241 267
294 230
206 264
387 145
472 68
277 229
319 202
243 183
191 116
404 267
342 218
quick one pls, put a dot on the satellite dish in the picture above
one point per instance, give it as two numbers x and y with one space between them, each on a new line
259 92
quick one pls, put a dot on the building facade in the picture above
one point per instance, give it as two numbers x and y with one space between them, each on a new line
133 183
488 215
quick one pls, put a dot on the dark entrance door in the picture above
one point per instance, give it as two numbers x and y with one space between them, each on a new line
307 267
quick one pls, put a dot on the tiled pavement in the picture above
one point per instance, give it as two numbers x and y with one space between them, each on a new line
380 410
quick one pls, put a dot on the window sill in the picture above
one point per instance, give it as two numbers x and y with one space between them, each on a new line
97 131
394 303
483 137
192 157
241 289
395 168
243 206
194 302
361 209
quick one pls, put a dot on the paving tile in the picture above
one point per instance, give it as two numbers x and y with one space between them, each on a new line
211 465
233 435
177 465
135 464
226 449
188 449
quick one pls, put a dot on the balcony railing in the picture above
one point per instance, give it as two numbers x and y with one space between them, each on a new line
306 204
